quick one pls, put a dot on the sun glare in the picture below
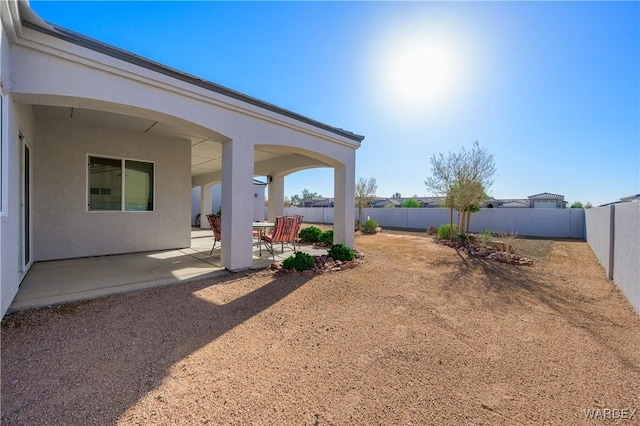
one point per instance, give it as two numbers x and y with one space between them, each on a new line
418 72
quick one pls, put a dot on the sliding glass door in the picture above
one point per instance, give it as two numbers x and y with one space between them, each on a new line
25 204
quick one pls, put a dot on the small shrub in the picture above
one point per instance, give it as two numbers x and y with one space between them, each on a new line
509 240
326 237
464 237
432 230
299 261
443 231
370 225
410 203
486 236
310 234
341 252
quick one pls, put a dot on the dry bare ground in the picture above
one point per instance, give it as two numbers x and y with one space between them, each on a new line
418 334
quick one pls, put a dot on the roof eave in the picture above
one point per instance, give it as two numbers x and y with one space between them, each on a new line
114 52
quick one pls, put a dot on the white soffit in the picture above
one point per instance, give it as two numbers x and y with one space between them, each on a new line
206 154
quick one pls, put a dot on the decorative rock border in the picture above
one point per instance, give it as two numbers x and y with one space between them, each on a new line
487 251
323 264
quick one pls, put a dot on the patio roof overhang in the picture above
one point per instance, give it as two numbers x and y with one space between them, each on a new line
30 20
206 142
206 148
56 71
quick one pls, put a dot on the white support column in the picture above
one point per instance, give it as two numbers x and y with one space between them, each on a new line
344 182
276 198
205 206
237 204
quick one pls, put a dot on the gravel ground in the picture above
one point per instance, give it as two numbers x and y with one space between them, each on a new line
417 334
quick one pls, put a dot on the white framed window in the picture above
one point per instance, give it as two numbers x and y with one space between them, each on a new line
120 184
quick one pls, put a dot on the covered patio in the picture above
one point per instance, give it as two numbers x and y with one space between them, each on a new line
104 148
64 281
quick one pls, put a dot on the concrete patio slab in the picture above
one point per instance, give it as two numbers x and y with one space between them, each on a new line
63 281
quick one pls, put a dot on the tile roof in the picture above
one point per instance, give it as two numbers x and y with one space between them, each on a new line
515 204
545 196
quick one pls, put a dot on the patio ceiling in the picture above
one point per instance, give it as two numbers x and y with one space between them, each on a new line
206 153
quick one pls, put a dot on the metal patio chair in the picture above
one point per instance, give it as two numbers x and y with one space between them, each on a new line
215 220
285 231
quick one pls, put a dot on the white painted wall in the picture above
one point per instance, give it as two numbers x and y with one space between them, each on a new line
63 228
216 198
9 283
599 226
613 232
19 117
626 260
216 203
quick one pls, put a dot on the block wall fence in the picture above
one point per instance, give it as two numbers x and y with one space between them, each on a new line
613 232
556 223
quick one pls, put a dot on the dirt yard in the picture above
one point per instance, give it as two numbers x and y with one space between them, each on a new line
419 334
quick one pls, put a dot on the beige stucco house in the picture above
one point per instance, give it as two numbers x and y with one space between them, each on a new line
547 200
101 148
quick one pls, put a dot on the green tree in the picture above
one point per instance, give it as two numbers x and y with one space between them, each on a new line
410 203
468 196
308 194
296 200
396 195
364 194
463 179
443 179
577 205
475 175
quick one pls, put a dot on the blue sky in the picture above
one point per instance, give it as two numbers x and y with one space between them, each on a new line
551 89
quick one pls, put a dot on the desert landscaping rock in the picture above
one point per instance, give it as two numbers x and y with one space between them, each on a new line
323 263
494 250
417 334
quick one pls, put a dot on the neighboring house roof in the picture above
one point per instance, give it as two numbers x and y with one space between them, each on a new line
515 204
257 182
381 202
423 202
627 199
428 201
635 197
546 196
506 202
114 52
397 202
317 202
